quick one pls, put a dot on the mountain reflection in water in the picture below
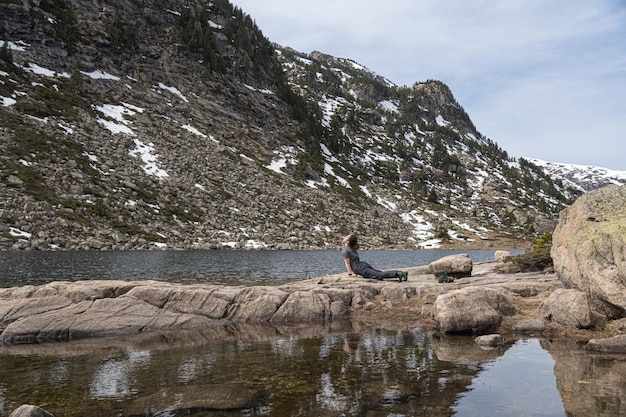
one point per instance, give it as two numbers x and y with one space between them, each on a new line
330 369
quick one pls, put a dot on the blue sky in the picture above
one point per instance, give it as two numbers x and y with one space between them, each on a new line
543 78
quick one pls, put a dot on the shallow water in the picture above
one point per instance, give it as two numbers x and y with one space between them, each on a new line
520 381
337 369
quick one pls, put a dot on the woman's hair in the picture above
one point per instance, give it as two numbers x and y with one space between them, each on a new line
352 240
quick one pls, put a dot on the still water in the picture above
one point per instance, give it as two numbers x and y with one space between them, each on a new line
318 370
228 267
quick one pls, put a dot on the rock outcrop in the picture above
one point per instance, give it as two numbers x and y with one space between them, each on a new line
487 302
501 255
76 310
589 249
85 309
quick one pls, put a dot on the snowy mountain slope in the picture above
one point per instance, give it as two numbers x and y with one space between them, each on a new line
421 142
157 124
582 177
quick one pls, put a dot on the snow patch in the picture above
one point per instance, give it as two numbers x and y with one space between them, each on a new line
45 72
442 122
7 101
19 233
19 46
174 91
149 158
100 75
285 156
422 229
119 124
195 131
390 106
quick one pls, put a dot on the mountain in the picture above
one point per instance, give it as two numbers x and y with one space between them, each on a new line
581 177
150 124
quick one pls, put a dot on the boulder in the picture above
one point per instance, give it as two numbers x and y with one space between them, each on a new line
568 308
501 255
589 248
28 410
456 266
616 344
471 310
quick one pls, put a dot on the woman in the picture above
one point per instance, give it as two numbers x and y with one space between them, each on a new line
357 267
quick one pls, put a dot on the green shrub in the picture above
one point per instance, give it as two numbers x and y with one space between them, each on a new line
538 259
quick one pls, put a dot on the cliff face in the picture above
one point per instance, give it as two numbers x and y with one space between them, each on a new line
161 124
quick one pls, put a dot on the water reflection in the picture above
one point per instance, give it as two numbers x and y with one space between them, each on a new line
2 390
112 379
590 384
304 370
505 386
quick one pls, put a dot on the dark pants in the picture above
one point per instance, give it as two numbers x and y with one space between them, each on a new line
366 271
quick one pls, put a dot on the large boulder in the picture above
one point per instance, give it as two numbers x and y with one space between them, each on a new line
475 310
568 308
589 249
457 266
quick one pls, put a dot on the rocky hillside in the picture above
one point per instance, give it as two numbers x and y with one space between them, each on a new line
164 124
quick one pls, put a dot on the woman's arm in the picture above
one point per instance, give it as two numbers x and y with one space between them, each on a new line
348 266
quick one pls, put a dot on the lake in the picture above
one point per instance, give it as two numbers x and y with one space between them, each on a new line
345 368
227 267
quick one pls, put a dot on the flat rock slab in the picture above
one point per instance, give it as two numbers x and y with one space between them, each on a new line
62 311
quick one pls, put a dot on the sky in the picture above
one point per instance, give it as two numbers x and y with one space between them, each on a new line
544 79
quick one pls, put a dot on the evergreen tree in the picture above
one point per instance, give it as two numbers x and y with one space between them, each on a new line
5 54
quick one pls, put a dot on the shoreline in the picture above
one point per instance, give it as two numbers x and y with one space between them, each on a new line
62 311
